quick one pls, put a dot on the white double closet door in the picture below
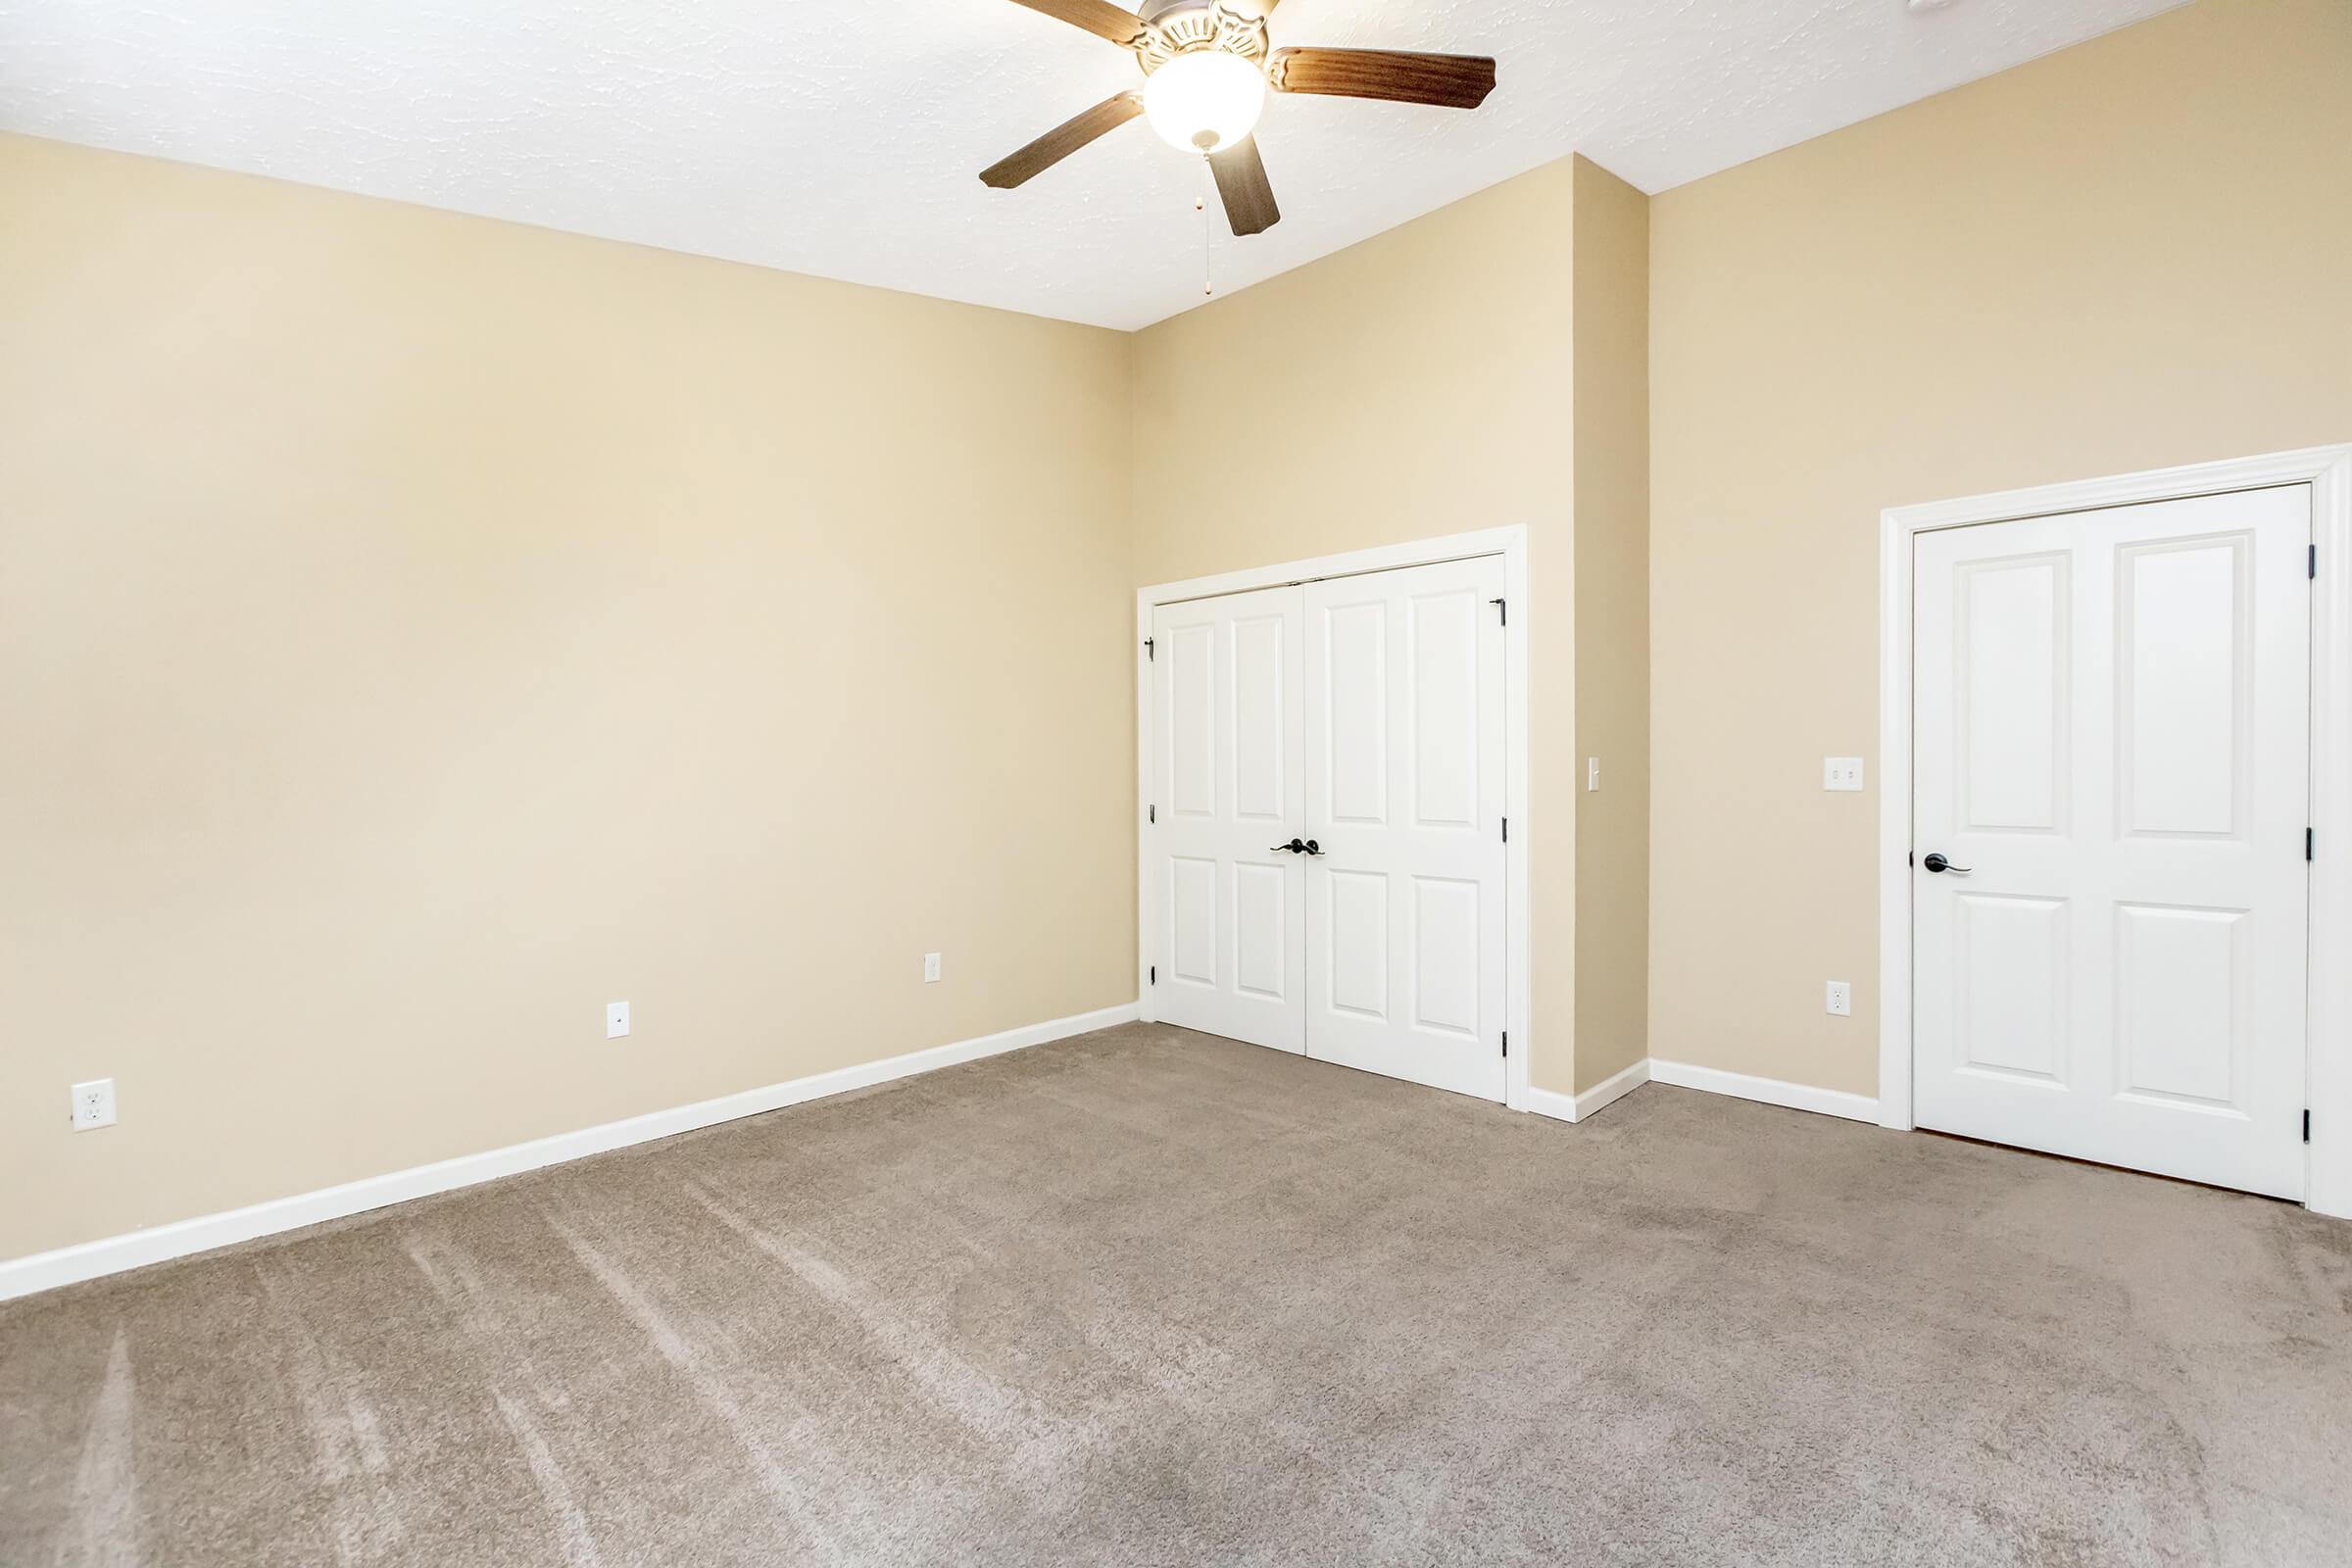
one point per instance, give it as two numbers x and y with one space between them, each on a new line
2110 755
1361 719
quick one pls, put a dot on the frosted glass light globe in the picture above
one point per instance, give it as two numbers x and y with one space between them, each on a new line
1204 101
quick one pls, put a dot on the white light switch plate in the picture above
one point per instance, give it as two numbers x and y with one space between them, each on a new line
1842 772
1842 998
930 968
1592 772
93 1105
617 1019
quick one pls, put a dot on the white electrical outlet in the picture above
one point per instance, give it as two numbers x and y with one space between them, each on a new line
1592 772
1842 772
93 1105
930 968
1842 998
617 1019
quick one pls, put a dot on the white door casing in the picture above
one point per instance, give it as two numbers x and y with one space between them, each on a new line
1227 786
1404 743
2110 732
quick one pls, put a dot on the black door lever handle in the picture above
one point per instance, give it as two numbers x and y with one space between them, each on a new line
1313 848
1296 847
1935 861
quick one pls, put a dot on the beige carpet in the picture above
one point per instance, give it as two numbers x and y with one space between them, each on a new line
1149 1297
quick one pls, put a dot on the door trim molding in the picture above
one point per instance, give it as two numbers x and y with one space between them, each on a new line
2328 1018
1510 543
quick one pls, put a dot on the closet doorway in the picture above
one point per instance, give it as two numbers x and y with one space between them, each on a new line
1328 766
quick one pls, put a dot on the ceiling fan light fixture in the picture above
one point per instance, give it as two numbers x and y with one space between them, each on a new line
1205 100
1207 67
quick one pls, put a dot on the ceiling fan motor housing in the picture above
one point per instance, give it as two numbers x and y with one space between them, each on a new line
1185 26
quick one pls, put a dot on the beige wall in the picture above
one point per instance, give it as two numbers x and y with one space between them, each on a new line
1612 623
416 631
2132 254
1417 385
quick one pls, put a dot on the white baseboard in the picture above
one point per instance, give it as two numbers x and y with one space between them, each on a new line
1713 1080
1771 1091
1549 1103
1576 1108
1612 1088
43 1271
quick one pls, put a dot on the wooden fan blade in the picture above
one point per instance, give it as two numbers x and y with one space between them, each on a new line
1242 180
1451 82
1063 140
1098 16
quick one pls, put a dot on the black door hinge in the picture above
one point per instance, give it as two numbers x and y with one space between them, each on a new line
1507 830
1504 607
1910 857
1154 811
1155 974
1506 1042
1149 655
2306 1124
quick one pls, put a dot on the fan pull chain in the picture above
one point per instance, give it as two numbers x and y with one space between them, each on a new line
1200 205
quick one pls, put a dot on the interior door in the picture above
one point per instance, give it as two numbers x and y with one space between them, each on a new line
1227 799
1404 798
2111 794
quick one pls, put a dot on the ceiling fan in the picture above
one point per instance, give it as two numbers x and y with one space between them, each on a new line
1206 69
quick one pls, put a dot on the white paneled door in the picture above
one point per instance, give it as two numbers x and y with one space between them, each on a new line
1404 796
1326 832
1226 798
2110 753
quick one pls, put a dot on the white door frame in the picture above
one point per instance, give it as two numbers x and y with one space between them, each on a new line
1510 543
2328 1018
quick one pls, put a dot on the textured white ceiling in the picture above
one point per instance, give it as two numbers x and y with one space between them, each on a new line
843 139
